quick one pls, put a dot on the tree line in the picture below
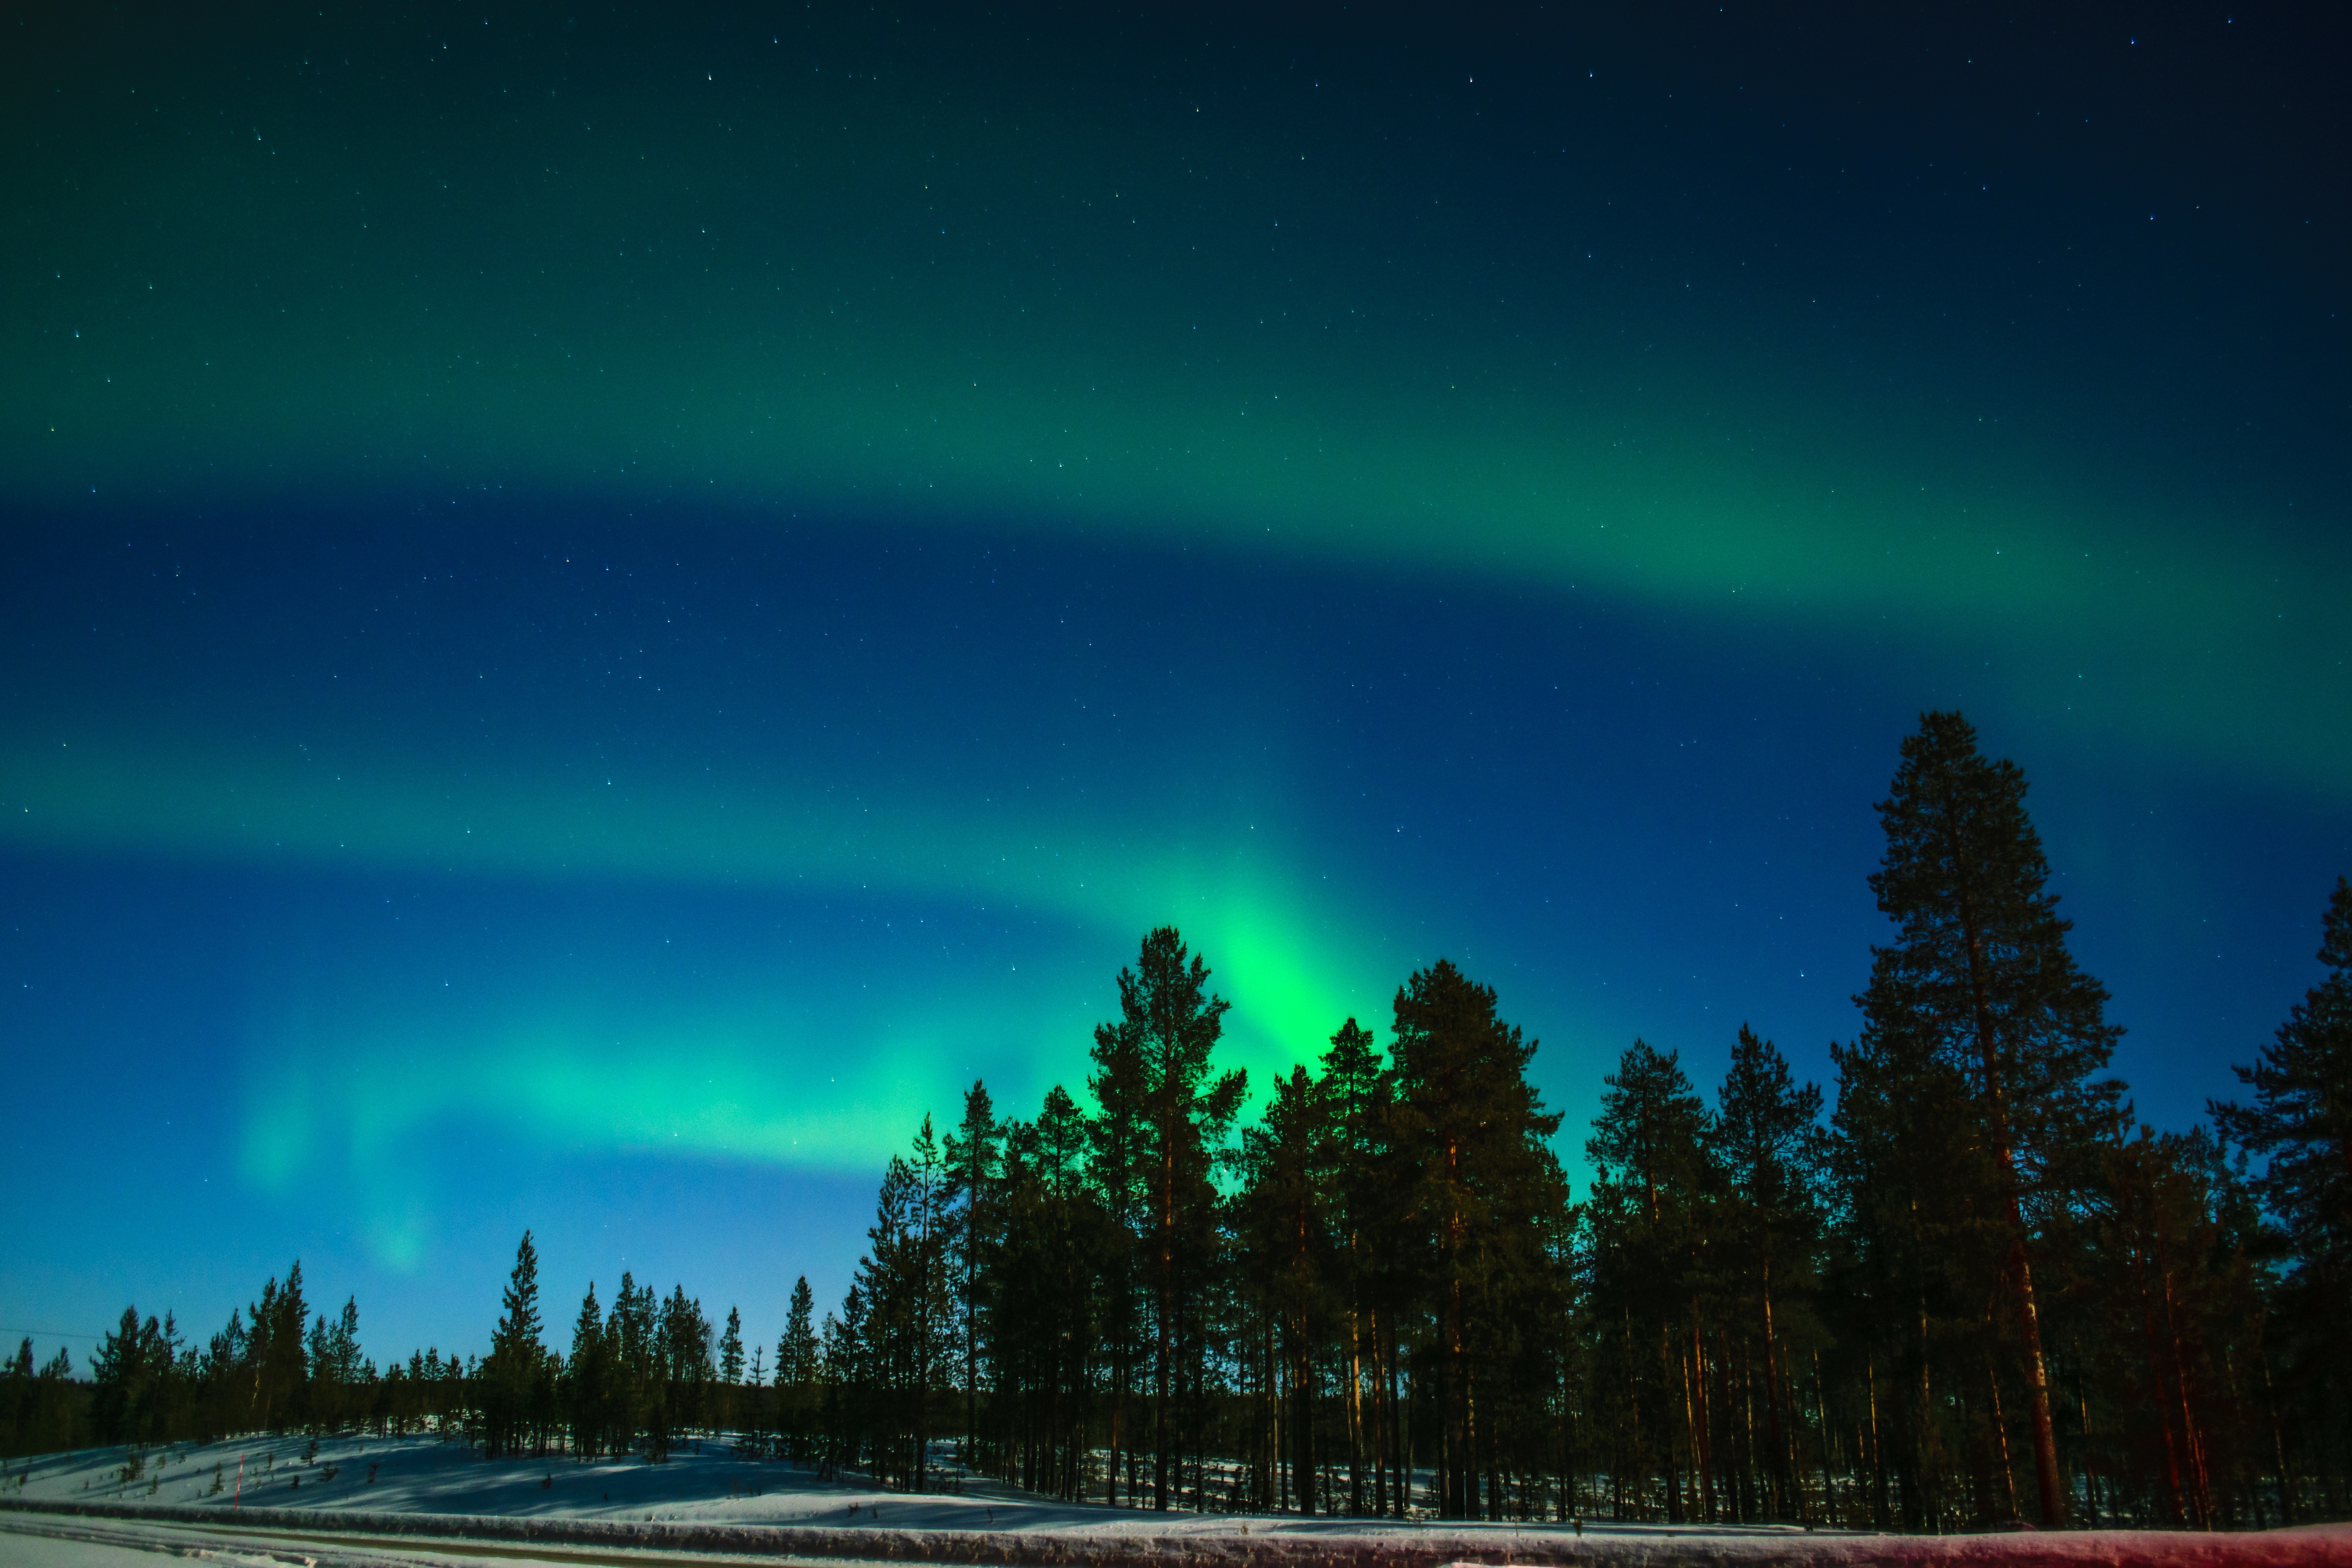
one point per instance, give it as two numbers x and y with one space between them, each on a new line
1962 1286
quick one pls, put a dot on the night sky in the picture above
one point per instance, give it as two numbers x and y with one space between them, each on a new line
597 611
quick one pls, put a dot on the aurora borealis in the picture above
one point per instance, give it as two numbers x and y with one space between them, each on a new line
601 611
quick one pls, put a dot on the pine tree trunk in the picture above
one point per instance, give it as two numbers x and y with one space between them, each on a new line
1454 1492
2029 1313
1379 1445
1270 1422
1781 1480
1821 1414
971 1324
2001 1430
1355 1411
1708 1480
1302 1423
2155 1381
1877 1451
1118 1432
2200 1495
1399 1431
1668 1360
1160 1346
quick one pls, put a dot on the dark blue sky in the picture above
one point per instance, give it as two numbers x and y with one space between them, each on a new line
599 614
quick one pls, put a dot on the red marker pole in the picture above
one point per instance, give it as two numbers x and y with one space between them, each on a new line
238 1501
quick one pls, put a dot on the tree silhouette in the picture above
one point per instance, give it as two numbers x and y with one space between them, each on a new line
1978 976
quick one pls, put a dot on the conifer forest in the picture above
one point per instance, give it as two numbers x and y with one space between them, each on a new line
1960 1285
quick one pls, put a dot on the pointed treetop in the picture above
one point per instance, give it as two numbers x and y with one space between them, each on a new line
519 1323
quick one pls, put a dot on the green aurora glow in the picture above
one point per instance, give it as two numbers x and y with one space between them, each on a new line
805 288
1291 967
976 302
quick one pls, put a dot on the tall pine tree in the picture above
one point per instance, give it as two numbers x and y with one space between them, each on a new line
1152 1075
972 1155
1361 1091
1289 1162
1485 1186
589 1382
1648 1220
730 1369
796 1371
1979 976
515 1355
1768 1140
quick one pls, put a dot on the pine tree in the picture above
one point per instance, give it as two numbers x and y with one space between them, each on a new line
1289 1162
844 1357
796 1371
323 1392
1918 1232
1649 1224
16 1399
796 1352
588 1384
972 1176
887 1340
118 1373
682 1357
902 1282
730 1368
1768 1137
1045 1298
2300 1127
756 1379
1063 1140
1360 1092
343 1343
637 1389
515 1355
910 1292
50 1422
1488 1192
1153 1079
273 1345
1980 977
2300 1124
1118 1168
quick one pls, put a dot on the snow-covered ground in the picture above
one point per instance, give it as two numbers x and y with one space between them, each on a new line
425 1475
710 1500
